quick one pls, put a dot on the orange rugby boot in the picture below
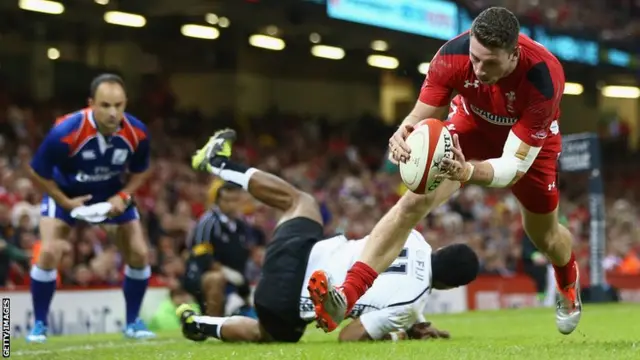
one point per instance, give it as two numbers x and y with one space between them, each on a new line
329 302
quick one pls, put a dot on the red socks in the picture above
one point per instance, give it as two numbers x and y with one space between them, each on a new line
359 279
567 274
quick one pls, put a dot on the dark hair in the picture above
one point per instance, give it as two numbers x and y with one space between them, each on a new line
104 78
496 27
227 186
454 265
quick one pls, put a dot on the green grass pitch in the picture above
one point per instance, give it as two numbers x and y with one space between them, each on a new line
606 332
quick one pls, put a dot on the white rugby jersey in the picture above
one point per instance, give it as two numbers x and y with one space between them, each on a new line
398 296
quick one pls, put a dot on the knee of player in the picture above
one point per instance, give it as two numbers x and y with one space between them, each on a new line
254 334
301 198
453 266
138 257
51 251
213 279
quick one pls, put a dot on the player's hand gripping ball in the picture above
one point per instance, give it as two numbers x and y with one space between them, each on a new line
430 142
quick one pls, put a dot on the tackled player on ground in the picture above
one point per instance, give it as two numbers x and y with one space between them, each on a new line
392 309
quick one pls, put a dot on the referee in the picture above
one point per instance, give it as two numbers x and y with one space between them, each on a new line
220 247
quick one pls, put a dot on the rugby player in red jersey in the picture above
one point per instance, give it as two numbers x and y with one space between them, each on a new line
504 117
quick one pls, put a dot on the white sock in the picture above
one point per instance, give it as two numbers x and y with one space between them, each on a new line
210 325
233 172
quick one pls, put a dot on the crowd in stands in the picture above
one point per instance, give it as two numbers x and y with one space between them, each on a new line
347 174
614 20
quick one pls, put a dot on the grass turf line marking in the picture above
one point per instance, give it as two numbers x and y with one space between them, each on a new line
107 345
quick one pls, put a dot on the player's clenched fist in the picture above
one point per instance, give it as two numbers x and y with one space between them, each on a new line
399 151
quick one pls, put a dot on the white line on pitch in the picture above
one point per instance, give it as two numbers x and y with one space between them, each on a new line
106 345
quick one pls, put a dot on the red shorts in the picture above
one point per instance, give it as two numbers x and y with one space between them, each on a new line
537 190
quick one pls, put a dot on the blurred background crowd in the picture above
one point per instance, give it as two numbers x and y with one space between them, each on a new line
342 162
609 20
347 173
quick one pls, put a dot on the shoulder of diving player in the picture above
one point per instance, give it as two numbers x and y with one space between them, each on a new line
451 62
459 45
454 52
547 81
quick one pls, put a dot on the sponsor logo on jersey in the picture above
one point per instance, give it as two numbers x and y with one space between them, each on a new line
540 135
83 177
88 155
493 118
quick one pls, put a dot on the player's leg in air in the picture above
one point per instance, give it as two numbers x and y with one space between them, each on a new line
277 296
54 233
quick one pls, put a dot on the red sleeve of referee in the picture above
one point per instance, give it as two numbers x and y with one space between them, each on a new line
436 89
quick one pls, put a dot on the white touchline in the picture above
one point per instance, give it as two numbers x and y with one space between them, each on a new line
107 345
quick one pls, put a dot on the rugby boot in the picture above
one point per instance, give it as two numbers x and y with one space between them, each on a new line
218 145
189 327
330 303
569 307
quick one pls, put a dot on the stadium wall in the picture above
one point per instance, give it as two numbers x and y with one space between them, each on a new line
101 309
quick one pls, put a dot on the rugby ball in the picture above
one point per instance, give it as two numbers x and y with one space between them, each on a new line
430 142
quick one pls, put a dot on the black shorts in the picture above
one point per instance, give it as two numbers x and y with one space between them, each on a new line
195 268
277 296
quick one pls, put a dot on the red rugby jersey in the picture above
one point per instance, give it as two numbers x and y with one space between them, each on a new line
527 100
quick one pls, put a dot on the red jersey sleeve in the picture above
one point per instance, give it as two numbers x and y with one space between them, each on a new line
436 89
547 87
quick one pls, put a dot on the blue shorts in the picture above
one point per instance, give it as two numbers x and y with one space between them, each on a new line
49 208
